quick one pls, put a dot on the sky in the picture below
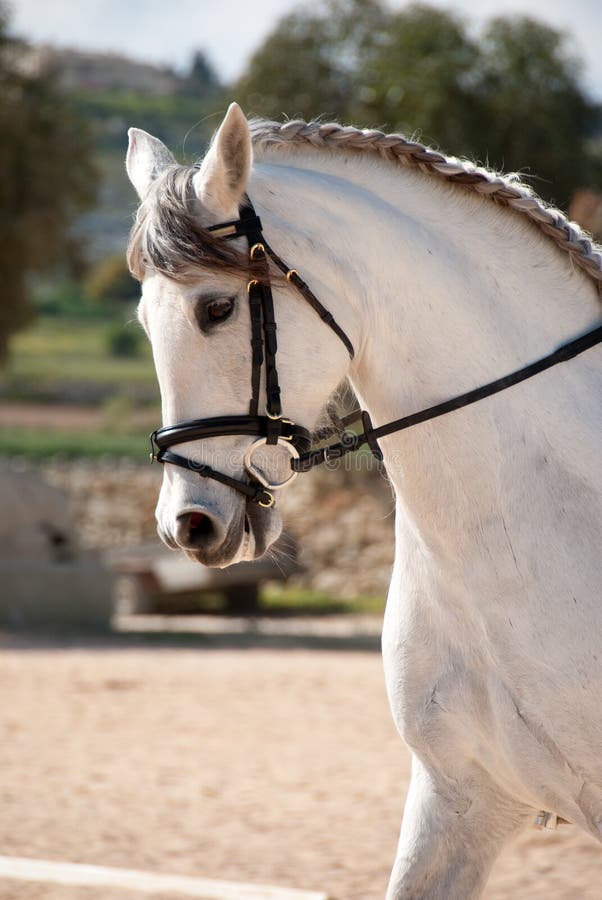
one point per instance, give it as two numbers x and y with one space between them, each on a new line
230 30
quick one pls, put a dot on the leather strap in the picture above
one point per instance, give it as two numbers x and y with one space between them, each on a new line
370 435
254 491
256 350
226 426
295 279
260 293
562 354
249 226
240 227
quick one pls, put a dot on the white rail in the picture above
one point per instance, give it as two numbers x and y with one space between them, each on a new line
65 873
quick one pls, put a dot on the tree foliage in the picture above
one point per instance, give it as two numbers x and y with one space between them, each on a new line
510 97
537 116
420 77
46 179
110 280
201 81
293 68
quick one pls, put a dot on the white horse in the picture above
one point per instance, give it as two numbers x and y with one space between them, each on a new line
492 633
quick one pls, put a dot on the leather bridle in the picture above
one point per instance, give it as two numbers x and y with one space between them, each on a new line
272 428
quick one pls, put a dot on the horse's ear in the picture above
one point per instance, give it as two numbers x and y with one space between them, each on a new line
146 158
222 179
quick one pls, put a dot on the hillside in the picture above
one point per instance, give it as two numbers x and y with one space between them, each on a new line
78 70
173 118
112 93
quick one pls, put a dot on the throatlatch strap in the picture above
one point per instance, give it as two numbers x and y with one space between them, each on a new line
293 277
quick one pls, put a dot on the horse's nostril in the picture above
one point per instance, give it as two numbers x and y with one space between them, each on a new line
200 527
196 531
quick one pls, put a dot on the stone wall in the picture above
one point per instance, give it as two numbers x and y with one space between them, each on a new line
47 579
342 520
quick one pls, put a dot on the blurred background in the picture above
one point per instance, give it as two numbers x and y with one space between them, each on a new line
132 748
514 85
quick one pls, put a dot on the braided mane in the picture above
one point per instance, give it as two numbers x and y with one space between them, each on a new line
507 190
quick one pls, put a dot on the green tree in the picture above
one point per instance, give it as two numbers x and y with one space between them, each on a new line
536 116
511 99
418 76
46 179
283 75
201 82
307 66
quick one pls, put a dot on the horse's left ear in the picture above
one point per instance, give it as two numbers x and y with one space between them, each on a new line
147 156
222 179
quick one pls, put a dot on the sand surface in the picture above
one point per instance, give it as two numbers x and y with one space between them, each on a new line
261 765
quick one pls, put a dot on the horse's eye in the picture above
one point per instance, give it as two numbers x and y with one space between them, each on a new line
220 309
214 311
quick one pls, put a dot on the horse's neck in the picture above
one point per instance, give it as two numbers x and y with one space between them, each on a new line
442 292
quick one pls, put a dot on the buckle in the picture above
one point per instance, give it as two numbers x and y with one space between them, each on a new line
256 248
283 421
287 437
151 441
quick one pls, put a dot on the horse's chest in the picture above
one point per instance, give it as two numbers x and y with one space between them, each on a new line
466 722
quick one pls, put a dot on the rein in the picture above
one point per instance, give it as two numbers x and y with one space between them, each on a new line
272 428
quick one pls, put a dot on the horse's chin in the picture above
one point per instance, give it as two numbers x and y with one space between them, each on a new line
263 528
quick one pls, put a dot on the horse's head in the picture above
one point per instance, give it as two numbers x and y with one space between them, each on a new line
195 310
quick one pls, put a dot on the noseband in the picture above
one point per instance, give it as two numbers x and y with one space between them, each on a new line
272 428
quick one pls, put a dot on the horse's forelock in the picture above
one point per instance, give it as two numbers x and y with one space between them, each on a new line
167 236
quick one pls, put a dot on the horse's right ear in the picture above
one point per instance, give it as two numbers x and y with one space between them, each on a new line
146 158
221 181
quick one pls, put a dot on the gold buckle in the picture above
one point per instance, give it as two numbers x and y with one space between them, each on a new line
256 247
270 502
287 437
290 274
251 284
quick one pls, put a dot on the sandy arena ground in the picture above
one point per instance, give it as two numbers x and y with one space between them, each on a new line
261 765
